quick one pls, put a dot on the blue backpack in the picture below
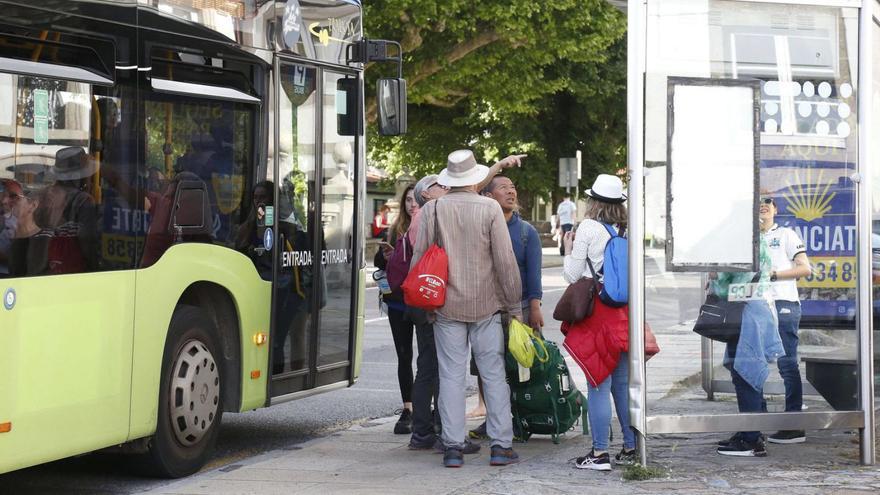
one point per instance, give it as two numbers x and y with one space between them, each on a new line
615 270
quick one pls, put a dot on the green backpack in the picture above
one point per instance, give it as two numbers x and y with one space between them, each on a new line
547 403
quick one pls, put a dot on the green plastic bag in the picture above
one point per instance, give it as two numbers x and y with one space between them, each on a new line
522 344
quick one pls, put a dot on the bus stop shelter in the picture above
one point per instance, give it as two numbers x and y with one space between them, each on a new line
730 102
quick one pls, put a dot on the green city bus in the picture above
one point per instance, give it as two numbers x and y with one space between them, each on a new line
181 227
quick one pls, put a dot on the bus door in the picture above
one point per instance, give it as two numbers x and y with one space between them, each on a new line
338 209
313 220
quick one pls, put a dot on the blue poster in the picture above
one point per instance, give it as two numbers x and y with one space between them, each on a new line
817 200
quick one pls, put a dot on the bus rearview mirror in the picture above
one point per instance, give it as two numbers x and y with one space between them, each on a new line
391 97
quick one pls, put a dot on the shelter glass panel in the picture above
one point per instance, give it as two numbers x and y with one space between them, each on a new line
797 338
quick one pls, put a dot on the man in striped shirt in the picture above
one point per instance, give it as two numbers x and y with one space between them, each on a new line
483 282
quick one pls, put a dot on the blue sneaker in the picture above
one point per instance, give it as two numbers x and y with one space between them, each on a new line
453 458
502 457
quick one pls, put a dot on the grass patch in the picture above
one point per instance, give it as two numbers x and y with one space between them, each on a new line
637 472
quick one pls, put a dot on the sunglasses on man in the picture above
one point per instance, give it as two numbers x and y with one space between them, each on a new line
767 201
441 186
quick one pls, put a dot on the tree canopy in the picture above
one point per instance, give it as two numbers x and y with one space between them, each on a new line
503 77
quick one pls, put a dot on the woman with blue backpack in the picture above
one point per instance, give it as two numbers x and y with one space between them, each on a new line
599 342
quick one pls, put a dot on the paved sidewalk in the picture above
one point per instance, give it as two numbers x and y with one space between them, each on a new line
368 458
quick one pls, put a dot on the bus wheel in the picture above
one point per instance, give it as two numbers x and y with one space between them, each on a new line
190 395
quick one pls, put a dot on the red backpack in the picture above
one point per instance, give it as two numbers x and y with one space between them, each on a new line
425 285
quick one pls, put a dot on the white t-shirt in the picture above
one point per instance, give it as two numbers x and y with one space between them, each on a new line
565 212
783 244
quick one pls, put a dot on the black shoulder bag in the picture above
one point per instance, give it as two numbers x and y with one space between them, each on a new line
720 319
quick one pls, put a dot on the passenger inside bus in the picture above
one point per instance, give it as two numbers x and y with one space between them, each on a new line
197 157
68 210
177 214
7 222
111 143
29 255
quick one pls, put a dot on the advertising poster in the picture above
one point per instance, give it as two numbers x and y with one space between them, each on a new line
816 198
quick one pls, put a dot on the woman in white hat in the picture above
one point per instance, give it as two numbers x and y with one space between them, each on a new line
596 341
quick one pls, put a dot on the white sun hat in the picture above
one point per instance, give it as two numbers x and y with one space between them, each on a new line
608 189
462 169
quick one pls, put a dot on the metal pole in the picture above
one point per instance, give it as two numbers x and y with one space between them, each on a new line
635 108
707 352
707 367
865 190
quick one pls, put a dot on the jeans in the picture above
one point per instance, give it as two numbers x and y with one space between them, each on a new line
485 336
789 320
402 332
748 399
599 406
566 227
427 383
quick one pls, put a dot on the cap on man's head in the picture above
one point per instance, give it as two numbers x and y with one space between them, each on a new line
423 185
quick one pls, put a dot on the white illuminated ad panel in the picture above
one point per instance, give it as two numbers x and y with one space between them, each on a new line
712 132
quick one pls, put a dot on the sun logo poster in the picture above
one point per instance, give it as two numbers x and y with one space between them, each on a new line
817 200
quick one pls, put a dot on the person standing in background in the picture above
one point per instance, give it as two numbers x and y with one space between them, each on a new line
565 214
380 223
789 262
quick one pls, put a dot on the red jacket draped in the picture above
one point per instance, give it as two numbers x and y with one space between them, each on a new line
596 342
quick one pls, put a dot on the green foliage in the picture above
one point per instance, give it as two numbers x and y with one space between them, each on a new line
637 472
503 77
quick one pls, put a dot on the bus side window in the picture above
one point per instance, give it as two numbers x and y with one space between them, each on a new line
207 148
67 164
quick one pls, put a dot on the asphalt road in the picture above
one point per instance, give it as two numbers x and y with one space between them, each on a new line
287 425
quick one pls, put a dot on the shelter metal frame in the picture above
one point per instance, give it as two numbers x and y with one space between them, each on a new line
864 418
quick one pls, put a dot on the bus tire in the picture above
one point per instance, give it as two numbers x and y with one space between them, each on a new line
190 395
